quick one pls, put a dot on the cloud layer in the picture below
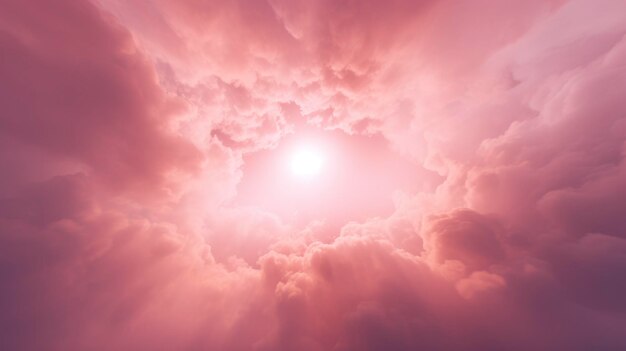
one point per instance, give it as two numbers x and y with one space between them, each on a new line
129 131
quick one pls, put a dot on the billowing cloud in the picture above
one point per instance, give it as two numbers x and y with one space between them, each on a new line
474 196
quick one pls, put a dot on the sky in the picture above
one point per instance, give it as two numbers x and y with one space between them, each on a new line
280 175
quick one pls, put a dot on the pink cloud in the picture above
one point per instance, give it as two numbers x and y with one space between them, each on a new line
77 87
475 201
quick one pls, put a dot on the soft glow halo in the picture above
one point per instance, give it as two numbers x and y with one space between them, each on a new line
306 162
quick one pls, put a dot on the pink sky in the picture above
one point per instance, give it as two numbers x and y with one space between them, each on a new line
472 194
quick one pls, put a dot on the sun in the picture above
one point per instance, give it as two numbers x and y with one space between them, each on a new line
306 162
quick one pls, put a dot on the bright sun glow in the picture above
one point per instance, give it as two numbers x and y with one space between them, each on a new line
306 162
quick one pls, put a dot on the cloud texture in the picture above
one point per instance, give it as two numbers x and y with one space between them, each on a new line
129 131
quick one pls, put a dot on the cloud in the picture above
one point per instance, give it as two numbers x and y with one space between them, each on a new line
127 131
74 85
